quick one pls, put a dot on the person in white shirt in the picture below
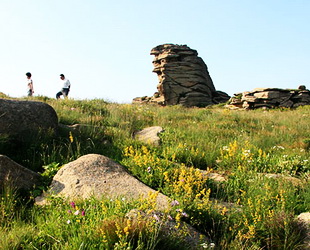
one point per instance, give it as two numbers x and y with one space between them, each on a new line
65 83
29 84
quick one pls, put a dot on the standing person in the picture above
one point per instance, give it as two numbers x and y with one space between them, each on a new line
29 84
65 83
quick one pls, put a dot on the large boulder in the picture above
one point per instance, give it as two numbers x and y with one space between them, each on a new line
16 175
97 175
23 118
183 78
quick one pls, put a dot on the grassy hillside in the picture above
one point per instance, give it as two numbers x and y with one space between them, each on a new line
243 146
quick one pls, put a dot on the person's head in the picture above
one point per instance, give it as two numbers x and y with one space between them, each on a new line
28 74
62 76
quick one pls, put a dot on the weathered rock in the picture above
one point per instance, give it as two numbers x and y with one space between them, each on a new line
155 99
293 180
21 118
216 177
219 97
16 175
304 219
183 78
97 175
149 135
189 236
270 98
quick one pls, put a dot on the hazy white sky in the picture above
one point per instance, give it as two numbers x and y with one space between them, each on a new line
103 47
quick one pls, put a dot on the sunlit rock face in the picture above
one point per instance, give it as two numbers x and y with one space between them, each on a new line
270 98
183 77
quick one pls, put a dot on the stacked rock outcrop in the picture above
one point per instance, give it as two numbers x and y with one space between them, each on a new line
183 78
270 98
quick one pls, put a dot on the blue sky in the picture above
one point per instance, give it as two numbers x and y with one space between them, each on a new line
103 47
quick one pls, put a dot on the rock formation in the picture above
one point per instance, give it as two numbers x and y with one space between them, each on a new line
22 118
16 175
97 175
270 98
183 78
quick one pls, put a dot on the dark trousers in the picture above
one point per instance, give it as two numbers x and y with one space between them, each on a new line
63 92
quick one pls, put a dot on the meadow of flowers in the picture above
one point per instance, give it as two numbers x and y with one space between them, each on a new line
262 155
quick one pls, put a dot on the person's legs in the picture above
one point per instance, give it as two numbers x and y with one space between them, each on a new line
65 92
58 95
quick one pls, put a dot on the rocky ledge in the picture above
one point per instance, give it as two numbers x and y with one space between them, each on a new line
270 98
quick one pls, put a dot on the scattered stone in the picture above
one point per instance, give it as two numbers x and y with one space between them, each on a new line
192 238
12 173
23 118
149 135
213 176
97 175
304 219
270 98
155 99
293 180
225 207
183 78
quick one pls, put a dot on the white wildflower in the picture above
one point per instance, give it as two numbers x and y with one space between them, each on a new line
204 245
156 217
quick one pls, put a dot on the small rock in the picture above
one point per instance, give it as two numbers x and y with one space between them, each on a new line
183 231
149 135
304 218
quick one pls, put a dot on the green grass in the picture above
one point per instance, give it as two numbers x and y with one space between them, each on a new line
243 146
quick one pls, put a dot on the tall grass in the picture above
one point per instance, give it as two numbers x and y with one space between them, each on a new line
250 210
